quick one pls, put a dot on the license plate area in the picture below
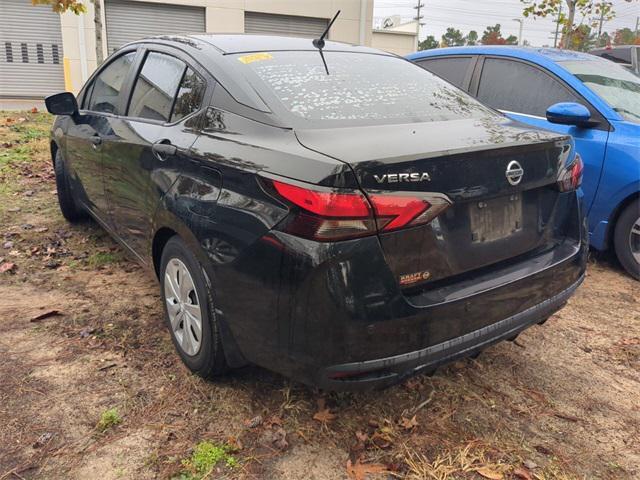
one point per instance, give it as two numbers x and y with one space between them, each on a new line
495 219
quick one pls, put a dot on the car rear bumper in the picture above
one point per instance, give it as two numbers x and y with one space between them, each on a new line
382 372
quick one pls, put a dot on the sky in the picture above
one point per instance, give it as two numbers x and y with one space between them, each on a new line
468 15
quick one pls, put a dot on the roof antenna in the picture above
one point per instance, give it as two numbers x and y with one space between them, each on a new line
319 42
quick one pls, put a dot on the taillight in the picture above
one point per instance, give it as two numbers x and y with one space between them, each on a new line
570 178
326 214
395 211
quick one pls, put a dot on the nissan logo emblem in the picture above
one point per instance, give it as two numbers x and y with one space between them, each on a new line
514 172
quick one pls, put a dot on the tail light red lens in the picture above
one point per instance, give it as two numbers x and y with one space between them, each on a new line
398 211
570 178
325 214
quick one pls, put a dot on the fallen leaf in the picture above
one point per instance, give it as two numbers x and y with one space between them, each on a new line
530 464
408 423
43 440
486 472
34 110
359 471
7 267
522 473
323 415
47 314
254 422
543 450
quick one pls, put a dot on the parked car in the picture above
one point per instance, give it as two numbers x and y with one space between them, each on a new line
626 55
594 100
335 213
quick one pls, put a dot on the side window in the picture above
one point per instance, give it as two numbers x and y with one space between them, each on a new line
105 90
520 88
189 96
156 87
452 69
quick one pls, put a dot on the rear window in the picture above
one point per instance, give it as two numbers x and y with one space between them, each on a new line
358 89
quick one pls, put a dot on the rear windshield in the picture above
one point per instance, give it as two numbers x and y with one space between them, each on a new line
358 89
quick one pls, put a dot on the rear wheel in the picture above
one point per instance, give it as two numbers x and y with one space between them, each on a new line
189 311
68 205
627 239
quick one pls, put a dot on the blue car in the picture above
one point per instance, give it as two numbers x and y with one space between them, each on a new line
593 99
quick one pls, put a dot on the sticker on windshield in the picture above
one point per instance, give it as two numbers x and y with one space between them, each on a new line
255 57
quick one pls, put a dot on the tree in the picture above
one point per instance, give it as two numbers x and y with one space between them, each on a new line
472 38
452 38
604 40
565 10
511 40
625 36
493 36
582 39
428 43
78 8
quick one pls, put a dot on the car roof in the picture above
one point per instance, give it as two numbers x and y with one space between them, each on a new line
531 53
241 42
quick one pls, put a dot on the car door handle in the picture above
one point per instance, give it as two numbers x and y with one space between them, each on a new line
162 150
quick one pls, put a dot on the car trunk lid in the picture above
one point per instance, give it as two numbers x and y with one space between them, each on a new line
498 175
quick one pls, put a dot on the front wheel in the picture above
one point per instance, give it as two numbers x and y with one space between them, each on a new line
189 311
627 239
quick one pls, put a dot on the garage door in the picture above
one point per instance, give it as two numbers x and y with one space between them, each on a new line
286 25
30 50
129 20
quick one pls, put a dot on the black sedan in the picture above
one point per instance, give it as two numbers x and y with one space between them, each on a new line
330 212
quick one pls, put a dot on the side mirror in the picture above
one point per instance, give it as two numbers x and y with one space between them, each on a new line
64 103
568 113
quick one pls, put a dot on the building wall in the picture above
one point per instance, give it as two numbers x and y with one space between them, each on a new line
222 16
400 43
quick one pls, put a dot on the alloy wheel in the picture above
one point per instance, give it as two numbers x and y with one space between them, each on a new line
634 240
183 306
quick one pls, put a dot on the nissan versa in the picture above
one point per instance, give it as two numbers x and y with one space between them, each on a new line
330 212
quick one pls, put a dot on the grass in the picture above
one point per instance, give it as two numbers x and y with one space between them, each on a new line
109 419
99 259
205 457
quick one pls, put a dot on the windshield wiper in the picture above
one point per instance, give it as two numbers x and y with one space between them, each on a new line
319 42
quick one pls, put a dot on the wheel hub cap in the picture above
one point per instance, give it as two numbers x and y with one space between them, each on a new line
183 307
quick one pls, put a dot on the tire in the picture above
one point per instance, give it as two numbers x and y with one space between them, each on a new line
627 239
207 358
68 206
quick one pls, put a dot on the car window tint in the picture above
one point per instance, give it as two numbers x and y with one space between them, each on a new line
108 84
156 86
189 96
453 70
520 88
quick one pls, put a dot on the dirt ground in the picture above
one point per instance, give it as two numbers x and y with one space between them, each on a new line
563 401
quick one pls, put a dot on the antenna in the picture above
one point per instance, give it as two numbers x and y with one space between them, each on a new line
319 42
